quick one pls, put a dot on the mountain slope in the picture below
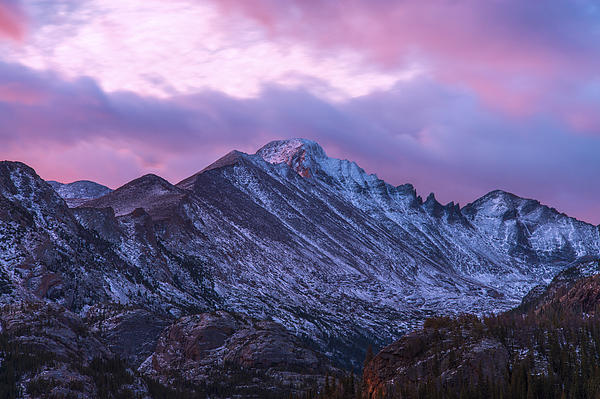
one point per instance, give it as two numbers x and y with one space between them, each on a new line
334 254
530 231
80 258
295 235
289 226
545 348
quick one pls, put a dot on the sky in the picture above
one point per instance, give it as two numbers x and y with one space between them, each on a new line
456 97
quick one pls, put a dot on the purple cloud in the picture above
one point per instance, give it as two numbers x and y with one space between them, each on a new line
440 137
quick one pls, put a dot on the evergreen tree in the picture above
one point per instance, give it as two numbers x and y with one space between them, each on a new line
368 356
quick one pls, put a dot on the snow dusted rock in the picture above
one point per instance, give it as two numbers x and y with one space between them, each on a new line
453 353
543 294
305 157
83 257
335 255
42 247
292 218
80 191
530 231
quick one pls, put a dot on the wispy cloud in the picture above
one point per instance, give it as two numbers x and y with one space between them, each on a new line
161 48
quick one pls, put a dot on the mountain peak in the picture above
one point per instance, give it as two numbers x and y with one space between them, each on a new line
279 151
147 180
501 194
10 171
78 192
231 158
502 202
300 154
150 192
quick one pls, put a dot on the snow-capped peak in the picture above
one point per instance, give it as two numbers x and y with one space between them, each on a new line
302 155
308 159
79 191
280 151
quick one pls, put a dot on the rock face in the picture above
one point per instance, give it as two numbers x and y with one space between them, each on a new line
287 233
116 351
78 192
576 289
44 251
226 351
53 329
132 333
527 230
451 356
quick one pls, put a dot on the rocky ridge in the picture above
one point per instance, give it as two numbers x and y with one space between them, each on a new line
287 234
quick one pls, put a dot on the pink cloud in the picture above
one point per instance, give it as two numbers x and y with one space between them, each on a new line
508 52
182 47
12 21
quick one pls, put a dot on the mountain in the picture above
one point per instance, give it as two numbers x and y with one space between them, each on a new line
288 235
78 192
545 348
300 227
150 192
